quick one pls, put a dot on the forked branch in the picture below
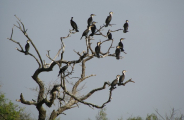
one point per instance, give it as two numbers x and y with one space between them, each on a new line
26 35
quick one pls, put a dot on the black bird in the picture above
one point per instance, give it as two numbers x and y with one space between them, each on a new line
27 46
114 82
85 33
108 19
117 52
62 70
109 35
90 19
74 25
97 49
122 77
121 44
125 26
93 28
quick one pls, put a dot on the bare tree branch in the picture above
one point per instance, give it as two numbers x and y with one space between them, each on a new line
23 50
105 54
22 100
89 94
69 35
159 114
116 30
95 90
11 33
24 31
53 92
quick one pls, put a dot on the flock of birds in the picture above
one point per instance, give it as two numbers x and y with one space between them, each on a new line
92 27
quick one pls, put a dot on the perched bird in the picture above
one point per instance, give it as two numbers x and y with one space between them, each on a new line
62 70
109 35
74 25
108 19
122 77
121 44
85 33
27 46
114 82
93 28
90 19
117 52
125 26
97 49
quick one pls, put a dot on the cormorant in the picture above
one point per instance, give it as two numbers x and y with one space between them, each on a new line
62 70
74 25
93 28
27 46
90 19
125 26
85 33
97 49
109 35
117 52
121 45
122 77
113 84
108 19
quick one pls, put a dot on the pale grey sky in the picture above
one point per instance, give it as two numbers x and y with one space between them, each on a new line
154 46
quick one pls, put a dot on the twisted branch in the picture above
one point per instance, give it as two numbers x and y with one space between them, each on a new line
22 100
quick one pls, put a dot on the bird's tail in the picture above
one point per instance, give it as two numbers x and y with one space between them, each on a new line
77 30
26 52
88 25
98 55
125 31
117 57
91 34
81 38
106 25
122 50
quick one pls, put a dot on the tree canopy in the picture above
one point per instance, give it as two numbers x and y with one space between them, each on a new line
11 111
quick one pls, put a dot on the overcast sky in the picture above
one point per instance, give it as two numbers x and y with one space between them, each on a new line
154 59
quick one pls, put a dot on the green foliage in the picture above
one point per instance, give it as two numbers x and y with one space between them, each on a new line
135 118
102 115
10 111
152 117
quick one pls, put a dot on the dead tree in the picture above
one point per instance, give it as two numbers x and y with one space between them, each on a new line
60 91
